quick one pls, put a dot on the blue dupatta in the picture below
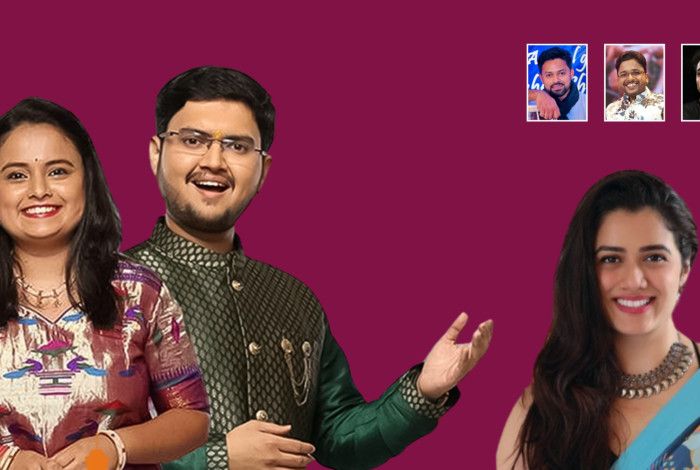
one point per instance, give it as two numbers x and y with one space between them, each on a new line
671 436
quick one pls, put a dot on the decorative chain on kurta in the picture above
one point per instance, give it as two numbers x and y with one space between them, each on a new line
256 331
267 353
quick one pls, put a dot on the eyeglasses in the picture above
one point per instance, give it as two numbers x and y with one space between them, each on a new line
198 143
632 73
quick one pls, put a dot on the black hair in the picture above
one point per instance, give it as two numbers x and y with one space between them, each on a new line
93 256
216 83
631 55
576 375
694 61
554 53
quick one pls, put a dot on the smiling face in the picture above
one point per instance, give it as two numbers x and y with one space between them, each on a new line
206 193
640 271
41 186
556 77
632 79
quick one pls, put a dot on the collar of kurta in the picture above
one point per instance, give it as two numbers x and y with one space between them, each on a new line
182 250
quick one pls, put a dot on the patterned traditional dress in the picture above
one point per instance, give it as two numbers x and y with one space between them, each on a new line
63 380
267 353
671 441
684 453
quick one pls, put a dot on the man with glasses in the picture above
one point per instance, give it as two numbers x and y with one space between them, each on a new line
279 385
637 102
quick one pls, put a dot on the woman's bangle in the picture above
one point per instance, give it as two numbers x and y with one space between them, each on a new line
8 456
4 452
118 444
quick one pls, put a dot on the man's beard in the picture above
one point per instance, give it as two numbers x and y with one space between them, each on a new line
558 94
186 216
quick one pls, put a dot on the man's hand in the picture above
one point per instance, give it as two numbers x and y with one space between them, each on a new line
26 459
257 444
547 106
75 456
448 362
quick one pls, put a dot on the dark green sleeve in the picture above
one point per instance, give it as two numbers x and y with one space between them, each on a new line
195 460
350 433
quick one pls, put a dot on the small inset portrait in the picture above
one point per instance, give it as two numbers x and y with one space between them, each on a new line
690 71
557 80
635 82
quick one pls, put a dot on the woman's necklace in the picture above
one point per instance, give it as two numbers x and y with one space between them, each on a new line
672 368
40 298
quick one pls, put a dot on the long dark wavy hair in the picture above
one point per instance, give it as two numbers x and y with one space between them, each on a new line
93 255
576 375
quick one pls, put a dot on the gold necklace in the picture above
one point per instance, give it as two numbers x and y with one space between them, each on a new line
29 292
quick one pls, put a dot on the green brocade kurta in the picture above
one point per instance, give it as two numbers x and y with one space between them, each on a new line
266 353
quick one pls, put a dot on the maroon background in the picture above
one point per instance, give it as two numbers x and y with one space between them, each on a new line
406 184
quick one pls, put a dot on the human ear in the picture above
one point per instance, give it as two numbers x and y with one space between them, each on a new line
684 277
154 153
266 163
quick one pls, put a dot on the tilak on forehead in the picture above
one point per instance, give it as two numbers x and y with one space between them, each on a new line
218 134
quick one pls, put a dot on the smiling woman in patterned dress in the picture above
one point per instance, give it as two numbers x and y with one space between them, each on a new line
86 338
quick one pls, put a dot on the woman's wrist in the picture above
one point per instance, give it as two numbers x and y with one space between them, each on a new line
118 446
7 457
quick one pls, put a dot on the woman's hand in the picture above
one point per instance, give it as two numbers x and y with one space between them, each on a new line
99 449
29 459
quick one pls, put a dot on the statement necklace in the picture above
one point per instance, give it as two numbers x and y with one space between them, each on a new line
39 297
672 368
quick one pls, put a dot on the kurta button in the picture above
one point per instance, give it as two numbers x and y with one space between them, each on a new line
261 415
254 348
237 286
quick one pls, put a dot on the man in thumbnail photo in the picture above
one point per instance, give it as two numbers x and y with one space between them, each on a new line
560 98
637 102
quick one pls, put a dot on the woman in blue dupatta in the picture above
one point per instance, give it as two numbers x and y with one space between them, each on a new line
616 384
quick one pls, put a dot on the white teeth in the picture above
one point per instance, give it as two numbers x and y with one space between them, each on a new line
212 184
633 303
40 210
